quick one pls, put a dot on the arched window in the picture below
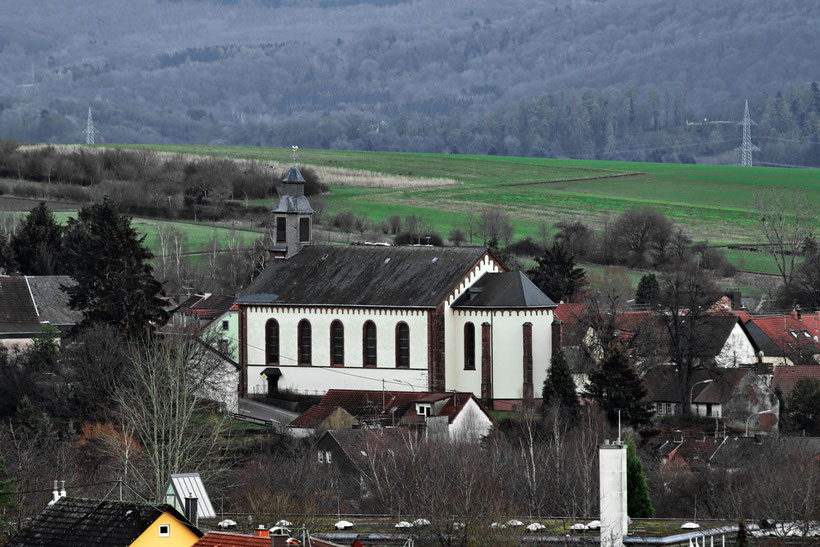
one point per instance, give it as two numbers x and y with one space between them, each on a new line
271 341
337 344
402 345
469 346
304 342
369 344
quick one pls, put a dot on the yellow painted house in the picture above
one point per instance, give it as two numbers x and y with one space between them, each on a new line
71 522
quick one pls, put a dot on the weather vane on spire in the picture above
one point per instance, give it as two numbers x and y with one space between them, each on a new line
294 150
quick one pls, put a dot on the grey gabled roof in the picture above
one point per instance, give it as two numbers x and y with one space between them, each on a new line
52 301
504 290
762 340
184 485
363 276
293 204
76 521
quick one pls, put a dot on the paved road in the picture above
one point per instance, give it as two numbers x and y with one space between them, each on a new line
278 416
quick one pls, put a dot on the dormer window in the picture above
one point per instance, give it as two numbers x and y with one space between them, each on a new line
164 530
793 333
424 409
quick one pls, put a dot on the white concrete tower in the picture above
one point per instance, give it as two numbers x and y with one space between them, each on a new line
614 518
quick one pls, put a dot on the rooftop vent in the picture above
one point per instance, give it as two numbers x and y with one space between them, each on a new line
435 259
386 260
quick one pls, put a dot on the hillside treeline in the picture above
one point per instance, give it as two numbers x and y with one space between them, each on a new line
142 182
570 78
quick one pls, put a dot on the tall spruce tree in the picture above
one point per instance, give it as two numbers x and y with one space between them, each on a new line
649 290
37 243
559 387
616 386
114 281
638 503
556 273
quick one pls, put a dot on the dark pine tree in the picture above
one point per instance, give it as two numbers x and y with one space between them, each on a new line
8 263
649 290
556 273
114 281
37 243
559 387
615 386
638 503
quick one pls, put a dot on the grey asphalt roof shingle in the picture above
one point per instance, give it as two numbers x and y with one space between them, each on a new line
52 301
363 276
16 305
75 521
504 290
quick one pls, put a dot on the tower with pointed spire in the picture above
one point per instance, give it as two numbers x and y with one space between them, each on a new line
292 217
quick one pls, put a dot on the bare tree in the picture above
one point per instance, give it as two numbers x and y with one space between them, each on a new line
786 219
494 223
161 398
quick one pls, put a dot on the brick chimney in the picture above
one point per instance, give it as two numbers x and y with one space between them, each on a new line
261 532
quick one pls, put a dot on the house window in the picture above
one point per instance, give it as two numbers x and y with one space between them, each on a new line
321 456
225 325
469 346
423 410
304 342
304 230
659 409
280 230
369 344
669 410
164 530
272 341
402 345
337 344
328 456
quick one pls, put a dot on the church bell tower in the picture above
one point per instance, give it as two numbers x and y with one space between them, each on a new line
292 218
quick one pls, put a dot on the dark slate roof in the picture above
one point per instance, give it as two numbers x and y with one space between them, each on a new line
720 390
762 340
293 176
293 204
662 383
504 290
363 276
712 331
74 521
52 301
17 305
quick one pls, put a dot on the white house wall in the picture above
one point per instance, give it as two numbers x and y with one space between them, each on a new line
317 378
737 351
471 424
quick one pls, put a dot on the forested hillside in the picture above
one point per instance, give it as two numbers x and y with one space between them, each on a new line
560 78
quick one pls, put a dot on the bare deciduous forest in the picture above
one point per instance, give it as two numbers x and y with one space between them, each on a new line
563 78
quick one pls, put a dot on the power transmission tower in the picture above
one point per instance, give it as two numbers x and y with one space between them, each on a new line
89 129
746 148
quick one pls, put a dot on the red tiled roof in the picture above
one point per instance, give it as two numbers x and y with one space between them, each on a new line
235 539
779 329
570 313
313 416
232 539
208 308
787 377
743 315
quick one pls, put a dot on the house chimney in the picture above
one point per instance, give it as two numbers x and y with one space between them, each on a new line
799 312
191 510
612 470
55 494
261 532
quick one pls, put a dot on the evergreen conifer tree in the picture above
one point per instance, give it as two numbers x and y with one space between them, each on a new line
649 290
37 243
556 273
638 503
559 387
114 281
615 386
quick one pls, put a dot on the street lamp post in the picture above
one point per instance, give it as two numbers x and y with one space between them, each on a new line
756 414
691 389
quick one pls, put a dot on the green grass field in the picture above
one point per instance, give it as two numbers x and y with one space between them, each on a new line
712 203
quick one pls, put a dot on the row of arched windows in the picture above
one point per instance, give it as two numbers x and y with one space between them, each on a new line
337 343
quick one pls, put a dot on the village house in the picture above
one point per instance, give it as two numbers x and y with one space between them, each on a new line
415 318
29 304
785 340
69 522
441 416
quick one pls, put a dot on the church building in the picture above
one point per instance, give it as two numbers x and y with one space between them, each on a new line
397 318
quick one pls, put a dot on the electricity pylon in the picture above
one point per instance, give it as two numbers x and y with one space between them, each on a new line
89 129
746 147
